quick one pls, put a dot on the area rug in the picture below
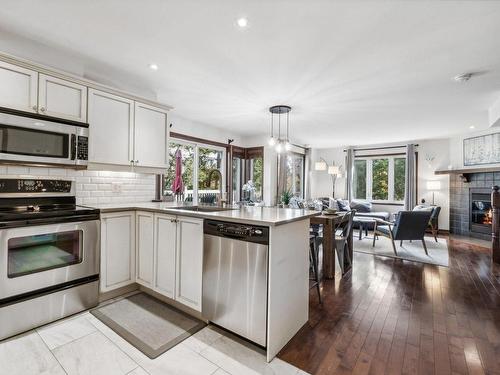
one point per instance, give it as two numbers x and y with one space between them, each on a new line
414 251
150 325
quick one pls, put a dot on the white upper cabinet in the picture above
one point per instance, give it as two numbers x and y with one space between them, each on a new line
150 146
189 262
111 126
18 88
145 248
60 98
165 240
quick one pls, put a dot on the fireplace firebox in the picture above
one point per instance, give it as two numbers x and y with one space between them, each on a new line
480 217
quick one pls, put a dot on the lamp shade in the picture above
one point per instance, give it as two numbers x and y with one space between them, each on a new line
433 185
333 169
320 166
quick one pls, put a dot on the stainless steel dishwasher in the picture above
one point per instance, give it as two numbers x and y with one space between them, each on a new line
235 278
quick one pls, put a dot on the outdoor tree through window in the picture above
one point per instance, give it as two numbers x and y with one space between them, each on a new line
380 179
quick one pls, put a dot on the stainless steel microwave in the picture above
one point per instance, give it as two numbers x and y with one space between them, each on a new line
36 140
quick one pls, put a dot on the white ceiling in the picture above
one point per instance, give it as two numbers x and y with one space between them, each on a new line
354 72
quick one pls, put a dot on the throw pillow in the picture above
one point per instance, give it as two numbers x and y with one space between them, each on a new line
343 205
361 205
422 207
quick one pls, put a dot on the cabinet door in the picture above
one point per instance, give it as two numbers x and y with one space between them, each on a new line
189 262
145 248
150 136
60 98
165 246
110 128
18 88
117 250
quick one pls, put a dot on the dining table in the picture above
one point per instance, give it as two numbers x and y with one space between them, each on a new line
330 223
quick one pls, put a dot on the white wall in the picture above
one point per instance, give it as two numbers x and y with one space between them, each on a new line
200 130
439 150
456 148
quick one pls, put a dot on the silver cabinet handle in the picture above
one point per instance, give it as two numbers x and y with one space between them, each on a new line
35 108
42 109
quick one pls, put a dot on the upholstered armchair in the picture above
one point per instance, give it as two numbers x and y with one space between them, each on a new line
409 225
433 221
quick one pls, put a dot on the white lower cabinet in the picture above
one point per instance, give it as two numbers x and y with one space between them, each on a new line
189 268
117 250
160 251
165 249
144 248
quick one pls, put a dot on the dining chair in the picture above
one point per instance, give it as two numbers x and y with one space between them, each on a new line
314 241
341 237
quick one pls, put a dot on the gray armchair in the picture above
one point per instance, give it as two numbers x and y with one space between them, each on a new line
409 225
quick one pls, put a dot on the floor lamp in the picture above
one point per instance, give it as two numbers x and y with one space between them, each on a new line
333 170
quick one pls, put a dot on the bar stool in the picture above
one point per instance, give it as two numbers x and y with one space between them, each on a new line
314 240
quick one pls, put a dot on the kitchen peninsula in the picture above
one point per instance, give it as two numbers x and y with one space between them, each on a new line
161 246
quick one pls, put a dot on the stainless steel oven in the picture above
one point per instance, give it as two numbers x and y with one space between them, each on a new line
33 139
37 257
49 254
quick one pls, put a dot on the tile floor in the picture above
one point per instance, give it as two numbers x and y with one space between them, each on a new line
82 344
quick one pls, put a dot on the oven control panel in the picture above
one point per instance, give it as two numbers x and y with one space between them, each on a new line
34 186
83 148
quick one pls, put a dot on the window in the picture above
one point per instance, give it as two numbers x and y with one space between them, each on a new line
248 164
256 173
197 162
380 179
291 174
209 159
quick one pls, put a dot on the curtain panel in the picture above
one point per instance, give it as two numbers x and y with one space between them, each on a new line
349 167
410 178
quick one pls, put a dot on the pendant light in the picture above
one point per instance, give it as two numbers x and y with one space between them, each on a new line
271 141
281 143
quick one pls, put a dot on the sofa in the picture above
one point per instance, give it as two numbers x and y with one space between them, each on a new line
363 209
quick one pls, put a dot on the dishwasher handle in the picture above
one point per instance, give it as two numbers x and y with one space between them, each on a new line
242 232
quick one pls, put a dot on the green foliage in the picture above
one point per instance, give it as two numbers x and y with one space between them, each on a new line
399 179
380 178
286 196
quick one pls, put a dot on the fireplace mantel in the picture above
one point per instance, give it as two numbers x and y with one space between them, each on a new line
465 173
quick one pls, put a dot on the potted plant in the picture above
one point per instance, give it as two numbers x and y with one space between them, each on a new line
285 197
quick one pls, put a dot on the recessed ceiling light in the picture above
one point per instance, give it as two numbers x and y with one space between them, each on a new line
153 66
242 22
472 127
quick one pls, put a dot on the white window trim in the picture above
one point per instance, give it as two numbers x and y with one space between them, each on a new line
390 182
196 166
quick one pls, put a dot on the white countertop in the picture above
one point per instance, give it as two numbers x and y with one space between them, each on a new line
247 214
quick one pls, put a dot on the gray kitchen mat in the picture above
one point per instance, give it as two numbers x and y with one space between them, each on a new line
150 325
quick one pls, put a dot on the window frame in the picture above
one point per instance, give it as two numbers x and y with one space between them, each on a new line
196 165
280 164
390 177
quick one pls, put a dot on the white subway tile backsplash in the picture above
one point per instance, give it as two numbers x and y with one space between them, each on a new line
36 171
96 187
17 170
57 172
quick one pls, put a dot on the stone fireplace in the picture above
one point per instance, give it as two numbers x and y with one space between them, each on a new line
470 204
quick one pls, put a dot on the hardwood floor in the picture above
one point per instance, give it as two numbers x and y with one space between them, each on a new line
398 317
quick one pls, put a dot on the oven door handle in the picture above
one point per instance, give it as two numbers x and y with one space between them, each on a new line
73 146
48 221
